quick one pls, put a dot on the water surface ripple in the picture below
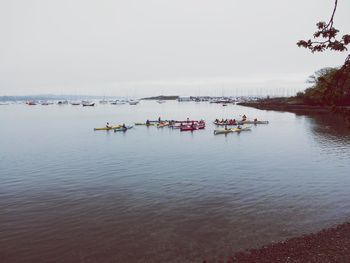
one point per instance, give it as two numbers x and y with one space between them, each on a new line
69 194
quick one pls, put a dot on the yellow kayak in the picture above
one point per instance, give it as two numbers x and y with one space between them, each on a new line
224 131
108 128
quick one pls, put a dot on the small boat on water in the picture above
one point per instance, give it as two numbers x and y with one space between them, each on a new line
31 103
253 122
133 102
118 102
107 128
225 131
88 104
241 122
192 128
75 103
146 124
162 124
227 123
123 128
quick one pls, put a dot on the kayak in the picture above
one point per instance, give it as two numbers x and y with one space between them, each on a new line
88 104
223 124
187 121
253 122
162 124
145 124
107 128
190 128
123 128
174 121
224 131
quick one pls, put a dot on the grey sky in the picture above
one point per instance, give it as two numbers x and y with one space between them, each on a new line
146 47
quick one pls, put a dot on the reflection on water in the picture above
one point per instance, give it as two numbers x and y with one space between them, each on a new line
330 129
69 194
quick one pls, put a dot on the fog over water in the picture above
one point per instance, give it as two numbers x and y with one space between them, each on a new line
138 48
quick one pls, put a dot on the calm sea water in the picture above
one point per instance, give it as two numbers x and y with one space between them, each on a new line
69 194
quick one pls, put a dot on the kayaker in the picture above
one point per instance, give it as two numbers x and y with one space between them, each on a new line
255 120
239 127
159 119
148 122
124 127
107 125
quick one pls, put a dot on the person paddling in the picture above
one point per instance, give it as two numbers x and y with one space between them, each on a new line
107 125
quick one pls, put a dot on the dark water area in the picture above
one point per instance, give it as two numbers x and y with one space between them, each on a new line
71 194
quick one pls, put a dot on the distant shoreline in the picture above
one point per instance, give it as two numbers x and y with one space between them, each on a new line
161 98
263 105
295 107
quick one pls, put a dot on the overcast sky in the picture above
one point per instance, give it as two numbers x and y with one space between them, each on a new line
148 47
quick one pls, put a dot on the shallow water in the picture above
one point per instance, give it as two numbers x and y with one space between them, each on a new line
69 194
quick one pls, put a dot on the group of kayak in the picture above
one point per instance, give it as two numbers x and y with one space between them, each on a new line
190 125
234 122
186 125
240 125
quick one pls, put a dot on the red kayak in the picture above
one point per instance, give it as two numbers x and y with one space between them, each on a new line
192 128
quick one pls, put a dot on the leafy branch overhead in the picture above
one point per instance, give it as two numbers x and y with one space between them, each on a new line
326 37
331 86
